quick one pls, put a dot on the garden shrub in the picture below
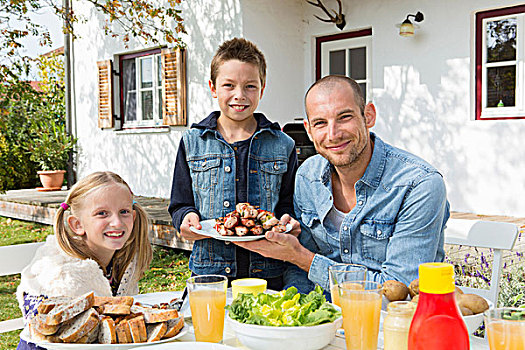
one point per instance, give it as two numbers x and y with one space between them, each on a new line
32 120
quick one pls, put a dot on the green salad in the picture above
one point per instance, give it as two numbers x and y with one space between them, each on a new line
515 315
287 308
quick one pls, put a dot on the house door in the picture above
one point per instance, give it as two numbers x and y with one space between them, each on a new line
346 54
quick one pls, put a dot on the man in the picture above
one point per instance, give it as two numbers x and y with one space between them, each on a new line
360 200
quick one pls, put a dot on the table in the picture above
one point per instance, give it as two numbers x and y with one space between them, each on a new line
338 343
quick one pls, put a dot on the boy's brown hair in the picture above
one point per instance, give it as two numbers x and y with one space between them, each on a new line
238 49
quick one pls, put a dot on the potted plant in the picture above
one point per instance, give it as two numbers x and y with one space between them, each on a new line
50 150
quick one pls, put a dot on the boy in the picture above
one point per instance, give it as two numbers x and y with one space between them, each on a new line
233 156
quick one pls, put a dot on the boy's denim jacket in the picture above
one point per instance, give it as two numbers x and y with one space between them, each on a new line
212 167
397 223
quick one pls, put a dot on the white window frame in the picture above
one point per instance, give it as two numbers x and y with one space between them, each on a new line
347 44
156 88
480 67
519 108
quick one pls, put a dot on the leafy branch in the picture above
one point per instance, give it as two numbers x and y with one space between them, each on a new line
124 19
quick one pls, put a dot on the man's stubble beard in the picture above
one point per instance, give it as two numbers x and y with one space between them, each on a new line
354 154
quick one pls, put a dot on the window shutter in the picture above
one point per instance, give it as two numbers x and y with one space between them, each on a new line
174 87
105 95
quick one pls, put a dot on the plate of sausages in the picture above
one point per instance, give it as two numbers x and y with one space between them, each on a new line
245 223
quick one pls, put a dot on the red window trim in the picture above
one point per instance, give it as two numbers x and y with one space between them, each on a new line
121 77
480 16
322 39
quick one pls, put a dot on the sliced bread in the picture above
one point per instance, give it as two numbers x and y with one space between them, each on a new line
123 333
39 324
79 326
174 327
107 333
70 309
50 303
36 336
90 337
137 328
126 300
156 331
153 315
116 309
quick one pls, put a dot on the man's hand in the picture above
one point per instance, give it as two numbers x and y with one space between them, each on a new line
282 246
191 219
296 227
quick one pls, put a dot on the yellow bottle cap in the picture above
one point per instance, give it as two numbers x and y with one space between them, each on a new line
436 278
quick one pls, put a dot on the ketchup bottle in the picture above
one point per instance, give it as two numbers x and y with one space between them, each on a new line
437 322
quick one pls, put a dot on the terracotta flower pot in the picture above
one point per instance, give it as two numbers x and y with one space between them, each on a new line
51 179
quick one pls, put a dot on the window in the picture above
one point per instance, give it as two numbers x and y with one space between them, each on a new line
500 56
141 79
346 54
152 89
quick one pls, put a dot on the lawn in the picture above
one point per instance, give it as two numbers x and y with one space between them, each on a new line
169 271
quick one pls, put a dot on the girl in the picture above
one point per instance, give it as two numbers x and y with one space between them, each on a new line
100 244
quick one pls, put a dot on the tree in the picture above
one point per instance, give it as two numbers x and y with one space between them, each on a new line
32 125
124 19
23 109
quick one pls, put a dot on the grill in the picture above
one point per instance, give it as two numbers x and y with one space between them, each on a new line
303 146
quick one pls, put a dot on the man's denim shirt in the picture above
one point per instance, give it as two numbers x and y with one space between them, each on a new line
211 162
397 223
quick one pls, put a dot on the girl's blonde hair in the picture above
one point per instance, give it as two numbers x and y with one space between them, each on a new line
138 243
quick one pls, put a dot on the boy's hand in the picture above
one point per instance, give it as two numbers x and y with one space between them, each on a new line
282 246
296 227
191 219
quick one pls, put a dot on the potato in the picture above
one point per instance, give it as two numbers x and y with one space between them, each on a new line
414 287
395 290
474 302
465 311
415 299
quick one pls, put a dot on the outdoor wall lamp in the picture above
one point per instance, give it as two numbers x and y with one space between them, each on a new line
407 27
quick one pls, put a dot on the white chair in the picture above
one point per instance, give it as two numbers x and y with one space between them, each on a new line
13 259
498 236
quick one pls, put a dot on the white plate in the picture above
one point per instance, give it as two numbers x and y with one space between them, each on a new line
24 335
191 346
208 229
163 297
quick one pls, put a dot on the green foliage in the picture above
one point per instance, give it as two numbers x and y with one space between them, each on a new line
32 126
124 19
50 150
51 144
17 102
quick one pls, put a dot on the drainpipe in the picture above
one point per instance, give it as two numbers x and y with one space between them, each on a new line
67 71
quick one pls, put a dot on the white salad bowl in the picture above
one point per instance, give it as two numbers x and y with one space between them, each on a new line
285 338
474 321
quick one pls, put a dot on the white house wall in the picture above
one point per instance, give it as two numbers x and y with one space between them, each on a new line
421 87
146 160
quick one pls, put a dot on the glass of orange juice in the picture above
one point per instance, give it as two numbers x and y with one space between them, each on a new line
506 328
341 273
361 305
207 295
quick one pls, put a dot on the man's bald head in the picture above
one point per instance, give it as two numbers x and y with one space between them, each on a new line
331 82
